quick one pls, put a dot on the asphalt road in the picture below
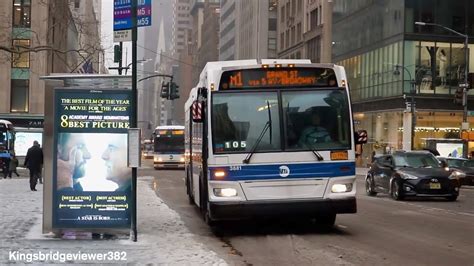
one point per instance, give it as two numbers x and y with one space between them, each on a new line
383 232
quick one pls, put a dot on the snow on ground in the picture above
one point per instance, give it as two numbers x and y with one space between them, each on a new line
162 237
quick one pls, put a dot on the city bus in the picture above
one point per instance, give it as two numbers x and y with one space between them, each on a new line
270 138
168 147
7 143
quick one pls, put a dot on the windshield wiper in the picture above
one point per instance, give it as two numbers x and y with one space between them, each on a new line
313 150
267 126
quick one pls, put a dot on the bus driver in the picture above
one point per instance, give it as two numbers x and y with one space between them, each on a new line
314 133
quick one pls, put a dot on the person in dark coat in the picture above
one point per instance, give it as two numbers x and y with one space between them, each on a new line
34 162
13 165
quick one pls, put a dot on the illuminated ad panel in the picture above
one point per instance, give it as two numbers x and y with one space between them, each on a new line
91 179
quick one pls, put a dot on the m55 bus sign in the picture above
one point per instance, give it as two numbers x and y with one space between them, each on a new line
123 14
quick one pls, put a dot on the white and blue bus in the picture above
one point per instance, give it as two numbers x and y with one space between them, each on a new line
270 138
7 143
168 150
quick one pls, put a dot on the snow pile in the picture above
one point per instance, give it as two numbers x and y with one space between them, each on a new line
162 236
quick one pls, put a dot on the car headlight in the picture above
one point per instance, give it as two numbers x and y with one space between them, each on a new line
457 175
408 176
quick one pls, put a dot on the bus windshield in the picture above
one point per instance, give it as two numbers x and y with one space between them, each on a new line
169 142
309 119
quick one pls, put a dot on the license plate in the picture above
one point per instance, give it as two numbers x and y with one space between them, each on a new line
435 186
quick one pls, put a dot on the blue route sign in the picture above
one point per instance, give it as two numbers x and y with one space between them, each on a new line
123 14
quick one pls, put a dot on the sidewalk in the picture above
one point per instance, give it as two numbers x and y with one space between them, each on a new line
162 236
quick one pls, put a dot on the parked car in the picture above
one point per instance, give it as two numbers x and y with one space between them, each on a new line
462 165
412 173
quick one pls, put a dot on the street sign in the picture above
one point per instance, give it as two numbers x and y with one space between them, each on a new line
122 35
123 14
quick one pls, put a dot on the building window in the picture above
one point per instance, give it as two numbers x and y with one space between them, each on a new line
282 40
21 59
313 19
19 95
77 3
272 24
21 13
314 50
293 33
282 15
298 32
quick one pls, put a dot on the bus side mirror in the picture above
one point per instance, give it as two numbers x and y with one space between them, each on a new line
361 137
197 110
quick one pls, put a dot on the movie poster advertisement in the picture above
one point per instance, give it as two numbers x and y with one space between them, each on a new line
91 179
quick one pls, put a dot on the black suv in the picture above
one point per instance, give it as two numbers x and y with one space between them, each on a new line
412 173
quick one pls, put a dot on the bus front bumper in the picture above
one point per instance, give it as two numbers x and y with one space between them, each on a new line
303 208
159 165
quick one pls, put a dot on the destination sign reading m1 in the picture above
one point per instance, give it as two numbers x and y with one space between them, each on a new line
279 77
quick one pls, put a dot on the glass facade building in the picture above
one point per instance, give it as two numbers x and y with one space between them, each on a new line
389 60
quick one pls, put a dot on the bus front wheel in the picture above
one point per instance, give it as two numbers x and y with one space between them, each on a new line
203 201
189 189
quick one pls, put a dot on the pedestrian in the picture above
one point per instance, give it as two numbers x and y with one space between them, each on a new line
12 166
4 162
34 162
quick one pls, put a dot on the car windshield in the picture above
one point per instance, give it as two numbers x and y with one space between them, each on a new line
469 163
415 160
455 162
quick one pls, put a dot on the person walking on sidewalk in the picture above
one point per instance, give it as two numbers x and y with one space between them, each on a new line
34 162
12 166
6 163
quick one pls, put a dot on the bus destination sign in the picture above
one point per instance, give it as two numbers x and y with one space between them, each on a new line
281 77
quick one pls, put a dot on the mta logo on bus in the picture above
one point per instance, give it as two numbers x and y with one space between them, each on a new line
284 171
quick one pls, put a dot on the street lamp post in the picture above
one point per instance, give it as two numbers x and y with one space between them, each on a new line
412 103
464 86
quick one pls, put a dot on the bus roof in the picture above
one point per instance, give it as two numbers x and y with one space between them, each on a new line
169 127
5 122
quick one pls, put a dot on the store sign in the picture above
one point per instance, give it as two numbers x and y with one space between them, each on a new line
91 179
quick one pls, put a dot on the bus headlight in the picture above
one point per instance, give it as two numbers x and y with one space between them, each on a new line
340 188
181 159
158 159
225 192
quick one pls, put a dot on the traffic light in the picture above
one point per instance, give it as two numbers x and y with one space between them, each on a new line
458 95
165 90
117 53
174 92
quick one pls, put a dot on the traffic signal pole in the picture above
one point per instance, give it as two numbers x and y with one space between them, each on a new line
133 119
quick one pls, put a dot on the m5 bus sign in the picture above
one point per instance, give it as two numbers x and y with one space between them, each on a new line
123 14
